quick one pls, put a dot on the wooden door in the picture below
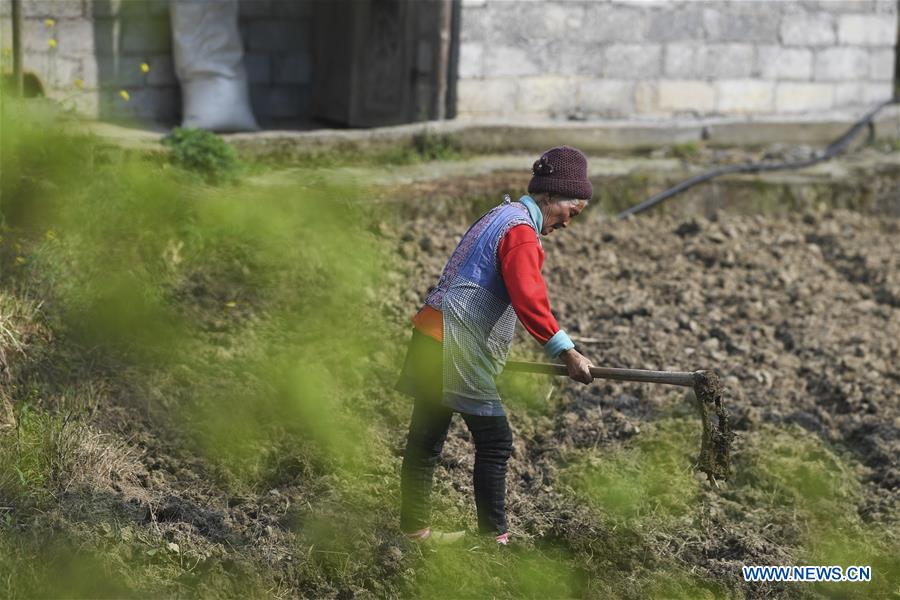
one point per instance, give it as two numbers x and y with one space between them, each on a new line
380 62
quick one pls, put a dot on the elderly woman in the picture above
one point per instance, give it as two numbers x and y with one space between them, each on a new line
463 333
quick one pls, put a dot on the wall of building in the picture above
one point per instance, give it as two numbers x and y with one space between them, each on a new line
590 59
562 59
87 52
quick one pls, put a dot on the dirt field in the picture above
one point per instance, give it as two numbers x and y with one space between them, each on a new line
248 461
800 318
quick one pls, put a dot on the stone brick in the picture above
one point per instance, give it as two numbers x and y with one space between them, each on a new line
839 7
681 22
254 8
744 96
474 24
521 24
646 97
286 101
86 103
697 96
145 36
106 36
510 61
808 30
493 97
694 61
278 36
867 30
835 64
778 62
726 61
605 22
129 74
606 97
162 70
35 36
799 97
633 61
259 99
881 64
579 58
471 60
53 9
58 72
292 9
292 68
887 7
555 20
507 24
144 104
550 95
742 22
97 72
848 94
680 60
76 37
877 92
258 68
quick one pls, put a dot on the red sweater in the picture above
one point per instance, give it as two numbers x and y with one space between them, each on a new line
521 259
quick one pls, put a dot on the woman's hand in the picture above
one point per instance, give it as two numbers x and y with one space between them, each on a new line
579 367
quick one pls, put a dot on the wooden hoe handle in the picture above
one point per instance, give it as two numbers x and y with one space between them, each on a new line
682 378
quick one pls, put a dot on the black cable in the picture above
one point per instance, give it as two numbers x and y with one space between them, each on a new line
755 167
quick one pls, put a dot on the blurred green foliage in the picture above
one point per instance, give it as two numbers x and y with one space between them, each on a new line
649 484
205 153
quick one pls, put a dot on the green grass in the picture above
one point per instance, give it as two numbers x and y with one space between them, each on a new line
686 150
228 315
649 484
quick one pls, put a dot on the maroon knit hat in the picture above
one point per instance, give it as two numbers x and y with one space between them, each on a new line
561 170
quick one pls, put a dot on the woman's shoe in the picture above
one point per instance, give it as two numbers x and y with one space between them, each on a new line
437 538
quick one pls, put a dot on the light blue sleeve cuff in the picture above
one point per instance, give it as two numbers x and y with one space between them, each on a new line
560 342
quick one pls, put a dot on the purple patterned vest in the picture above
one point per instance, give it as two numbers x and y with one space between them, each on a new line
479 320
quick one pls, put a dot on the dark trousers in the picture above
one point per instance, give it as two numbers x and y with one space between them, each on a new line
427 432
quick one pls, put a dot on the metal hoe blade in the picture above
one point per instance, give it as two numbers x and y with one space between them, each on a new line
715 443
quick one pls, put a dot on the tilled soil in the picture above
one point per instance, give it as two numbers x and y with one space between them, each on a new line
800 316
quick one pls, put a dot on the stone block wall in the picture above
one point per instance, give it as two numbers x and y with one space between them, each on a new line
113 58
604 58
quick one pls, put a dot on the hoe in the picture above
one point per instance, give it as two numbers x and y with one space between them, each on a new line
714 458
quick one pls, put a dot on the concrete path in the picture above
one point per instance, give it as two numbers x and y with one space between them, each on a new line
491 137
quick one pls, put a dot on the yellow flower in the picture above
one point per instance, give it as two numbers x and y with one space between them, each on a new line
125 95
49 22
50 235
230 304
51 42
20 260
145 68
79 83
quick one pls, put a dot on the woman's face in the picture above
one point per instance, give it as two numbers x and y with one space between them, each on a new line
558 213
